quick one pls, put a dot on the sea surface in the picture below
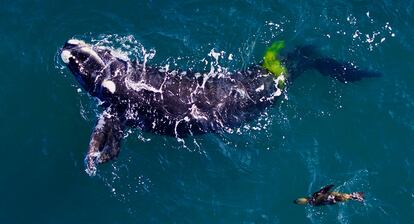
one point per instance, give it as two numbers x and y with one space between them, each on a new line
358 136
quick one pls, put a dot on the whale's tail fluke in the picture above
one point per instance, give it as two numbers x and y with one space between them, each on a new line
307 57
344 72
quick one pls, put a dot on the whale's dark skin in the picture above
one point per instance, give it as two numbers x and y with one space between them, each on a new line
178 103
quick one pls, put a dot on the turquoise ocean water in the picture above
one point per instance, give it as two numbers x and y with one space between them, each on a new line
358 135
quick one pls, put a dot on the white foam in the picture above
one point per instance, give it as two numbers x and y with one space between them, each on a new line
214 54
138 86
196 113
100 124
261 88
119 54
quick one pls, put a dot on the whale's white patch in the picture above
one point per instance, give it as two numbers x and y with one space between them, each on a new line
109 85
65 55
93 54
260 88
76 42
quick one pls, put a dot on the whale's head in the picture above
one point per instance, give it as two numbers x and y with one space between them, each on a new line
91 65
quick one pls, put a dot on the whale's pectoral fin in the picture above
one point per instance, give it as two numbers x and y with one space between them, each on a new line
105 142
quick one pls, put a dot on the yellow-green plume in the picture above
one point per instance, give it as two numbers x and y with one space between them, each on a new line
271 61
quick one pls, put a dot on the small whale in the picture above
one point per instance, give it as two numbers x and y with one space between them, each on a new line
180 103
325 196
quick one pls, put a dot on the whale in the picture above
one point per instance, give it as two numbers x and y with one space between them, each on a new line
183 103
